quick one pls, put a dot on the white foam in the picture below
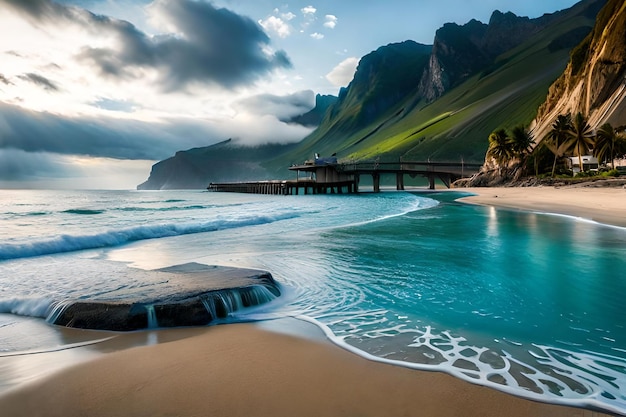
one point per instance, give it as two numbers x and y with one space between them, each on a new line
585 368
70 243
33 307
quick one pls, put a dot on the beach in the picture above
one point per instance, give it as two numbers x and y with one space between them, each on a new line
601 204
251 370
241 370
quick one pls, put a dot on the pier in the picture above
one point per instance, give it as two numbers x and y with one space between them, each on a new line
324 177
286 187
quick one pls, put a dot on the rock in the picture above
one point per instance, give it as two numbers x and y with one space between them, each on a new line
194 295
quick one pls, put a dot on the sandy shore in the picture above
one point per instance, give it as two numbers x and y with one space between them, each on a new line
604 205
241 370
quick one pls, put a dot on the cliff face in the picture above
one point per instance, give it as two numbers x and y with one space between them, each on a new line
461 51
383 78
594 82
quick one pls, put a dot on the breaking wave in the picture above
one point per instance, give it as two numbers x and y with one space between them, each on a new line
110 238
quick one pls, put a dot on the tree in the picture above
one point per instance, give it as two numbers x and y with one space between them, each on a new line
608 144
557 139
581 137
500 147
522 143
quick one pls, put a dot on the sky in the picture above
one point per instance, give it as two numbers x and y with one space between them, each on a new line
94 92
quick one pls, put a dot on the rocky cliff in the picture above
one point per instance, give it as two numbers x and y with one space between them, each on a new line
594 81
383 78
461 51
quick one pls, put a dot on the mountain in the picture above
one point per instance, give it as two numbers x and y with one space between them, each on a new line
314 117
495 90
461 51
383 78
223 162
594 82
496 76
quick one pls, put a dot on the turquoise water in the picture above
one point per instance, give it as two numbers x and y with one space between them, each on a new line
528 303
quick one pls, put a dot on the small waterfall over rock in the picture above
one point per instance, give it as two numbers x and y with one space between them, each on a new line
203 294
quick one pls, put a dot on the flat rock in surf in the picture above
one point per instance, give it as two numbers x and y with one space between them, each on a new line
190 294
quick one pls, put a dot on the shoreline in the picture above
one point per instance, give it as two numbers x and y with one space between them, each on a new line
243 370
606 205
259 370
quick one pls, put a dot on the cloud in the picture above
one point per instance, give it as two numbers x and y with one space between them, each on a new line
41 170
288 16
109 137
308 10
206 45
101 136
19 165
41 81
317 35
331 21
276 25
5 80
343 73
283 107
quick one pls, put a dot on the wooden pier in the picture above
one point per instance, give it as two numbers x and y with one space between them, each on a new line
344 178
301 187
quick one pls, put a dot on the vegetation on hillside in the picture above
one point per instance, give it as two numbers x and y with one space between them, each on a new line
570 136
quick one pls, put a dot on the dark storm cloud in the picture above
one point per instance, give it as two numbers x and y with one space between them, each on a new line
32 131
212 45
17 165
40 80
279 106
218 45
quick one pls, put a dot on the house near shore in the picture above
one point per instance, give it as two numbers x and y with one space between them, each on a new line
590 163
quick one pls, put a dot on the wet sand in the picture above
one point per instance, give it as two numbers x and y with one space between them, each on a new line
242 370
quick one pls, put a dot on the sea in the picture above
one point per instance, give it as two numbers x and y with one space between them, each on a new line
529 303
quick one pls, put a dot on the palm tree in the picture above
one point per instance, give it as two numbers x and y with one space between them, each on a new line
607 140
581 137
557 139
522 142
500 146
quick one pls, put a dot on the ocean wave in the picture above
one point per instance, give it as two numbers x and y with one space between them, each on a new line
174 208
71 243
33 307
87 212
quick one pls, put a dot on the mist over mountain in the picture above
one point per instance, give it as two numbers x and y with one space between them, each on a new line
440 102
313 117
222 162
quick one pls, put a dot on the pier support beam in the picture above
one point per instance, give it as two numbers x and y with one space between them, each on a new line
431 181
376 181
400 181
